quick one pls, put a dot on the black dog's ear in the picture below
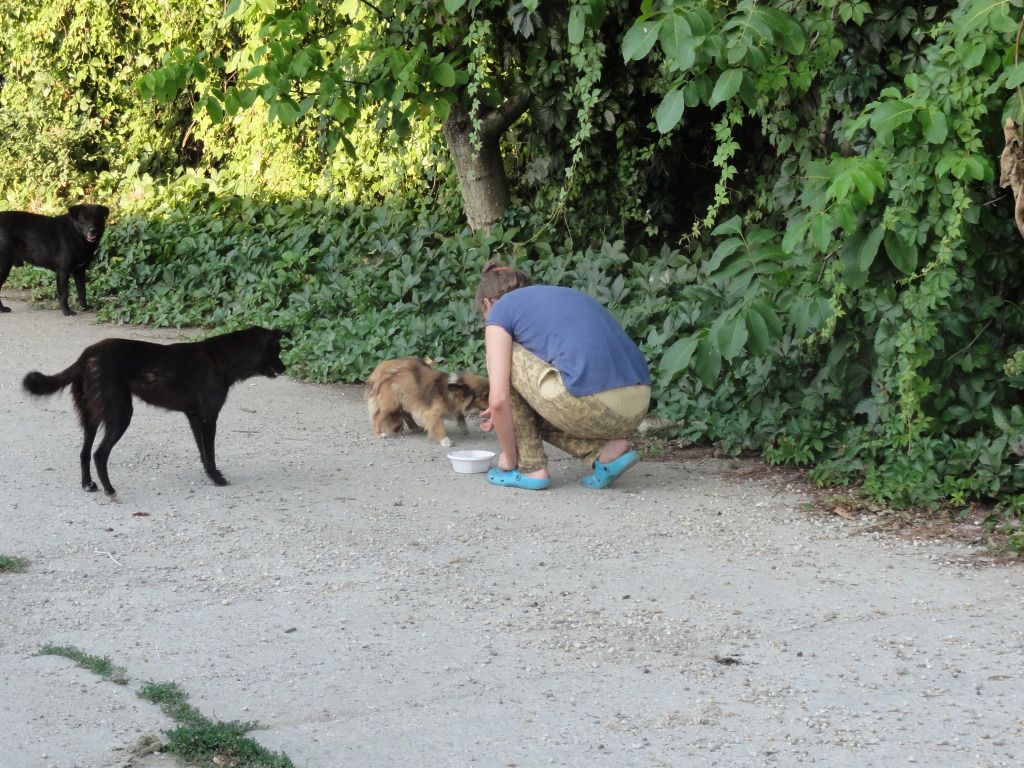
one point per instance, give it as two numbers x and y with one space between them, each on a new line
74 210
104 210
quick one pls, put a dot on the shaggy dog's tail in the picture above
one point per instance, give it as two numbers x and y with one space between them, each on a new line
38 383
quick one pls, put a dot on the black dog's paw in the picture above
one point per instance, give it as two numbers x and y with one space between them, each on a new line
67 312
218 478
5 309
90 486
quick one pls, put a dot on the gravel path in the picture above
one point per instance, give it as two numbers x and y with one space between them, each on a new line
371 609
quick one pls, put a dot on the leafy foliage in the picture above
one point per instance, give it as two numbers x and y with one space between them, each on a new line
101 665
866 263
202 741
790 205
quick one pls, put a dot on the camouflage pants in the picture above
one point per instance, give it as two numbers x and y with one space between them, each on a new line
544 411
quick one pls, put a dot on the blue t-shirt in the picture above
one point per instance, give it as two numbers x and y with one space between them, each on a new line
575 334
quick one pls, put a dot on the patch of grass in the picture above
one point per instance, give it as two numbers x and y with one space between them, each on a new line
197 739
206 742
101 665
222 744
9 564
172 701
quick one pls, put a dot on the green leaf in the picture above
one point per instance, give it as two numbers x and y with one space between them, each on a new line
639 40
758 331
972 55
889 115
709 363
725 249
287 111
869 249
443 74
946 163
731 226
732 338
974 168
934 124
674 35
442 108
737 52
1000 420
800 314
597 12
453 5
214 110
771 320
246 97
853 275
678 356
795 234
821 231
670 111
791 35
902 254
577 24
728 84
300 64
863 182
1015 75
978 14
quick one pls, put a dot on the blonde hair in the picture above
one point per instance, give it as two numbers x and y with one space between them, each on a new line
496 281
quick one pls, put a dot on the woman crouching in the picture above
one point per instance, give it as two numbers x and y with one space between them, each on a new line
561 371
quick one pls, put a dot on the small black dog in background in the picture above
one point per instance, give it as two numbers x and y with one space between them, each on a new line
192 377
66 244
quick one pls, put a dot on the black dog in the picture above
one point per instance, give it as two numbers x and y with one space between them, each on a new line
66 244
192 377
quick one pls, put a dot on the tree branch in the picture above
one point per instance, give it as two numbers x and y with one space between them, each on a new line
497 121
374 7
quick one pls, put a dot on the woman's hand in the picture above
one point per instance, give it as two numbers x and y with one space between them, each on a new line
485 420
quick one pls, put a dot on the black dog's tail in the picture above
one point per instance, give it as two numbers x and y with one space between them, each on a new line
38 383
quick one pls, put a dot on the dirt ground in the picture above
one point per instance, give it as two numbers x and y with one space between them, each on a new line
370 608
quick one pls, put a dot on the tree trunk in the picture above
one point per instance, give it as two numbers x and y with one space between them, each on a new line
1011 170
479 164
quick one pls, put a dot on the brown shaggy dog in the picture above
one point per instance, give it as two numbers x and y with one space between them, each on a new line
408 391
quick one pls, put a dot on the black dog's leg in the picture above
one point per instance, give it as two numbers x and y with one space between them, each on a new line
62 292
205 433
90 435
118 415
79 275
197 432
5 270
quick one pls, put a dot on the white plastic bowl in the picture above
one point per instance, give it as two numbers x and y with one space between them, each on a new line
470 462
